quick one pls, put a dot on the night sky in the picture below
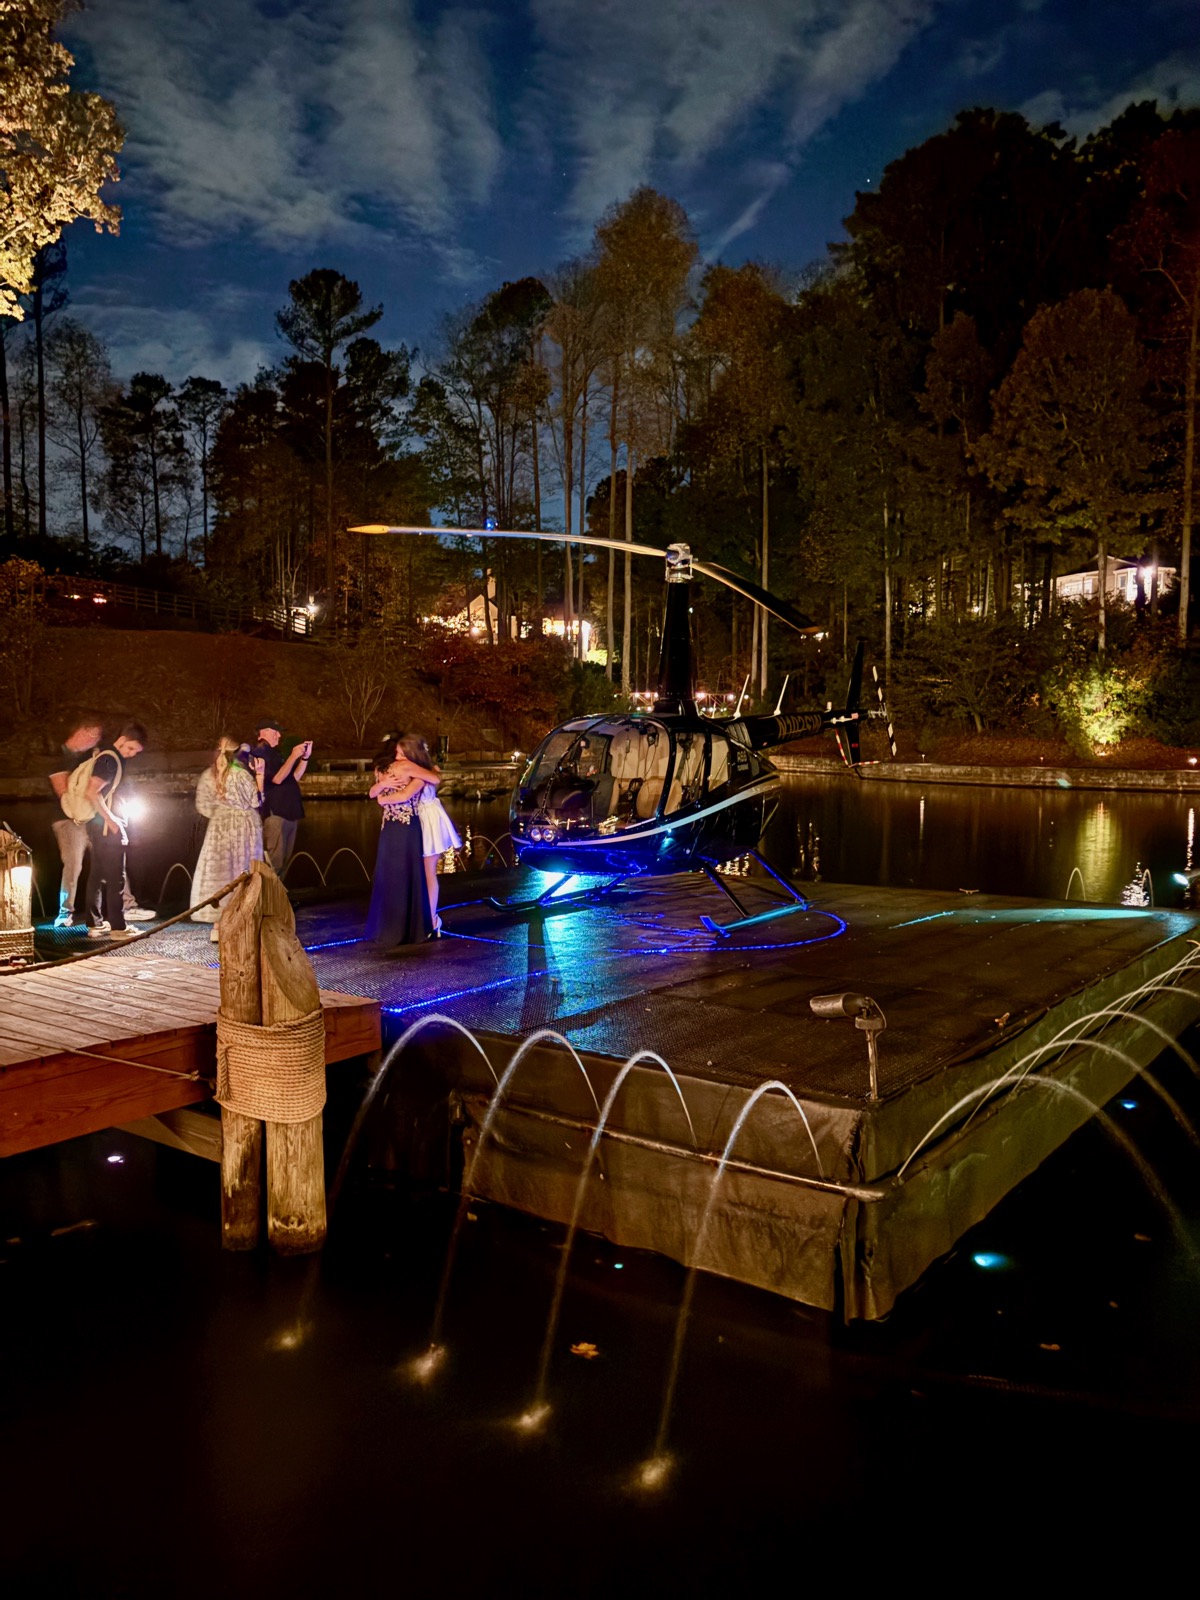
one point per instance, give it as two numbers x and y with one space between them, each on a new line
433 150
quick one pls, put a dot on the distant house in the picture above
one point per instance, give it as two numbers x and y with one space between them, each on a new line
1121 581
473 620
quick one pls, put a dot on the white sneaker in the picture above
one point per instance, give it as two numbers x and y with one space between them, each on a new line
65 919
100 931
139 914
125 933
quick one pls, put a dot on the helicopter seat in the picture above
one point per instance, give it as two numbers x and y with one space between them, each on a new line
625 769
648 796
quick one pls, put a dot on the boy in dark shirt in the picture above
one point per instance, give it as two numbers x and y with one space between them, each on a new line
282 807
106 834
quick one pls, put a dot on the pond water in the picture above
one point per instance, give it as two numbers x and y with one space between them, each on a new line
1049 844
1036 1398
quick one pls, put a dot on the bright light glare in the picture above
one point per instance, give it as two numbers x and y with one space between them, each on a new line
990 1260
22 879
116 1160
289 1338
533 1420
1128 1105
132 807
426 1367
654 1473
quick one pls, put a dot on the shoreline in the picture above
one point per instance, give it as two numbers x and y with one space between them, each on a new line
478 780
1153 780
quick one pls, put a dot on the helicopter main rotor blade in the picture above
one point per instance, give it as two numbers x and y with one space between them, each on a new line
761 597
732 580
520 533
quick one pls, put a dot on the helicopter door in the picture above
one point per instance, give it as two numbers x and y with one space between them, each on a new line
718 764
687 776
653 754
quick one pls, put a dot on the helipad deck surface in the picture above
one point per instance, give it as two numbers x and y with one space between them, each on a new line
973 987
955 974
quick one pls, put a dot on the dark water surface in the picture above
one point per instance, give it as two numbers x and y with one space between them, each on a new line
1034 1401
1051 844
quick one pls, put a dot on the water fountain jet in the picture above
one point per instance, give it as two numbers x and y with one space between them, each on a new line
659 1452
649 1056
543 1035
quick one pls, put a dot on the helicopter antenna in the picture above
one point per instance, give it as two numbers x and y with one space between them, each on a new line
779 703
737 710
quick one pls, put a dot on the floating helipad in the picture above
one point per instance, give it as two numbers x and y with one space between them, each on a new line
1008 1023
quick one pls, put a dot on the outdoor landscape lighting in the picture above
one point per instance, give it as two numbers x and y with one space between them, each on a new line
16 897
867 1016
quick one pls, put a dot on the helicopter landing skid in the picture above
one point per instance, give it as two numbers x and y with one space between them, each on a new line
551 895
745 919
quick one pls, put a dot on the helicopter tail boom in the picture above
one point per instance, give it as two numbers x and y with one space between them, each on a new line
763 732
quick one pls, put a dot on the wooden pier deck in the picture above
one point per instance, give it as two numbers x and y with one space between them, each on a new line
110 1042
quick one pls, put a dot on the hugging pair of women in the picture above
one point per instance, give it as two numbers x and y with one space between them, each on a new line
414 833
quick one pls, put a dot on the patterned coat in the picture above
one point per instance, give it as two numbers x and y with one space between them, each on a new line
233 838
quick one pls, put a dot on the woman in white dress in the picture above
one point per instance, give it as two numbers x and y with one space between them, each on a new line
438 833
230 797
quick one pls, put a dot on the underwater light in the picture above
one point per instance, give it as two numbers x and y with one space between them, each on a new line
653 1474
990 1260
534 1419
426 1366
1128 1105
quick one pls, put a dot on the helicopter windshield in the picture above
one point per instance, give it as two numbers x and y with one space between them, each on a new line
597 776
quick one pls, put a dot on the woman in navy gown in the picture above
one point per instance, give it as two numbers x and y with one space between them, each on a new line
399 912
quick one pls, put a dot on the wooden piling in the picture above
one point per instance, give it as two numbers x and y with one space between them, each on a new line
241 1137
296 1222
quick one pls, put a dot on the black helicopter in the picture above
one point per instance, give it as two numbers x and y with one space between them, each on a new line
645 794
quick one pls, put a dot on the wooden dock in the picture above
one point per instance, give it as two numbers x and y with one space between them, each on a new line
112 1042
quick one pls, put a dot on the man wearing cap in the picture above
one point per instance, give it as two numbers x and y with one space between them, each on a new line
282 806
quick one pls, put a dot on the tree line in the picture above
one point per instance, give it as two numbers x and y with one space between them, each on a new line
991 381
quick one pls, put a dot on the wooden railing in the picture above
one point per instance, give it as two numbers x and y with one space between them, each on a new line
80 592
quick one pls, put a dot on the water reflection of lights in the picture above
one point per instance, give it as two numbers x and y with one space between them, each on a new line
1099 849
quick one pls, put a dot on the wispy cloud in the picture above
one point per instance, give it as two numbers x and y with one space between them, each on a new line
1173 83
645 88
176 341
292 124
323 123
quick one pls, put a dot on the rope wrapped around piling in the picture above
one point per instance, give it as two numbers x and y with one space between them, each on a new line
275 1073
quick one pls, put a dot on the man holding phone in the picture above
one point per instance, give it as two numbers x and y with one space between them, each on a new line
282 807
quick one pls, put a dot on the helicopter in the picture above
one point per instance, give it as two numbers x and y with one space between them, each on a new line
646 794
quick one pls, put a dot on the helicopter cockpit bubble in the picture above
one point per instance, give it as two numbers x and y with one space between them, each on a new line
593 776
